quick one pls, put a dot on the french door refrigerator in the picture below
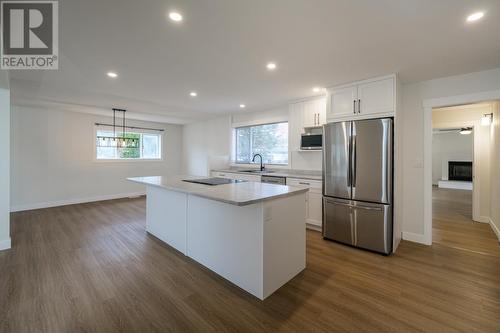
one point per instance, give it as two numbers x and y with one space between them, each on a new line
357 183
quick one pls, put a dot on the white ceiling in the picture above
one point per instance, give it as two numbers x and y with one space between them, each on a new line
221 48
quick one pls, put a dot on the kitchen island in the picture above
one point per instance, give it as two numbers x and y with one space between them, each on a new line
251 233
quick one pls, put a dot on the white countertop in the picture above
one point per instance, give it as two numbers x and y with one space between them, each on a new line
312 175
239 194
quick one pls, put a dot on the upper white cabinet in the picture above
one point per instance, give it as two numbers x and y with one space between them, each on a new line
314 113
309 113
342 102
376 97
365 99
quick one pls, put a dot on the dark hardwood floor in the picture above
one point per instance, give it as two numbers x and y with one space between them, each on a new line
93 268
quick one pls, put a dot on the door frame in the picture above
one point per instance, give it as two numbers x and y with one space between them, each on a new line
476 176
428 105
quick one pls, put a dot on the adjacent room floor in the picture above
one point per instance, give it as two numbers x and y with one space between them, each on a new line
453 225
92 267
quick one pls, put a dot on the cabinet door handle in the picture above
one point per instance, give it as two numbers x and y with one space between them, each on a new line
359 106
304 183
354 107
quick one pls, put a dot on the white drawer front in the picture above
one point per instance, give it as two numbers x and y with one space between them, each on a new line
232 175
313 185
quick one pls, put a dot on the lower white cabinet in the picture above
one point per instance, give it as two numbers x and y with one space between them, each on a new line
232 175
314 210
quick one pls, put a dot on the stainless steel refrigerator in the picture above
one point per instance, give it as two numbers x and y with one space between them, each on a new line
357 183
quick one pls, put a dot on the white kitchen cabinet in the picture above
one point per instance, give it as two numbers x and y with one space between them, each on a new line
314 210
362 100
314 113
376 97
341 102
233 175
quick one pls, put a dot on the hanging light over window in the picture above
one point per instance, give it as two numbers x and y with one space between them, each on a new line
117 141
466 131
487 119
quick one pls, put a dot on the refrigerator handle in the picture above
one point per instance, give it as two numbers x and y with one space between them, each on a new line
353 158
349 152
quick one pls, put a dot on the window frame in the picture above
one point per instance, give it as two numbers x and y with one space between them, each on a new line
126 160
250 163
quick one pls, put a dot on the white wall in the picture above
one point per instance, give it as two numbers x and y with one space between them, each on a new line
413 139
53 159
207 143
495 169
449 146
4 161
203 143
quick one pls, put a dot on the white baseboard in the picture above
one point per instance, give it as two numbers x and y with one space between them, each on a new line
313 227
5 244
416 238
41 205
482 219
495 229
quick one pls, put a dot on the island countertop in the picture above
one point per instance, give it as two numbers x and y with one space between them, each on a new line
239 194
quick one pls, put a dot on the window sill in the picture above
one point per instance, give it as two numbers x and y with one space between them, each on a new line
256 165
128 160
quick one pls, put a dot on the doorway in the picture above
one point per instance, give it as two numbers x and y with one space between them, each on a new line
461 178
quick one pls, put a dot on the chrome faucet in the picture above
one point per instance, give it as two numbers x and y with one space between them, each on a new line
261 165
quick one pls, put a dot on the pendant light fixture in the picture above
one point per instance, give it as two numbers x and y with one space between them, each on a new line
466 131
118 141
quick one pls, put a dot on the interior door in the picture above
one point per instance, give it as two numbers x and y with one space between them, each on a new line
336 160
338 220
373 227
372 160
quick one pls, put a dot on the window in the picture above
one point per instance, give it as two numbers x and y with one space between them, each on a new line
269 140
136 146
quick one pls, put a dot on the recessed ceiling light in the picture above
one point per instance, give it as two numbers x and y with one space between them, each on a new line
174 16
475 16
112 75
193 94
317 89
242 106
271 66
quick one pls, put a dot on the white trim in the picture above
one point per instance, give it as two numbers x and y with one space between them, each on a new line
5 244
428 105
416 238
263 121
484 96
41 205
128 160
482 219
495 229
314 227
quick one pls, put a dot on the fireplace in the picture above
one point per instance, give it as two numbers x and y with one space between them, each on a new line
460 171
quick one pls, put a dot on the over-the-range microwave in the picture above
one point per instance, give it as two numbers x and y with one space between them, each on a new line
311 141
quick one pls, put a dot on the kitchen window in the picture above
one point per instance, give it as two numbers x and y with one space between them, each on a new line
132 146
269 140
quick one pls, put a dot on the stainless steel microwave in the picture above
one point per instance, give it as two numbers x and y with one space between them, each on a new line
311 142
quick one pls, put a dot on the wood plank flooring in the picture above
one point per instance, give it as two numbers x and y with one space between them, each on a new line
93 268
453 225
